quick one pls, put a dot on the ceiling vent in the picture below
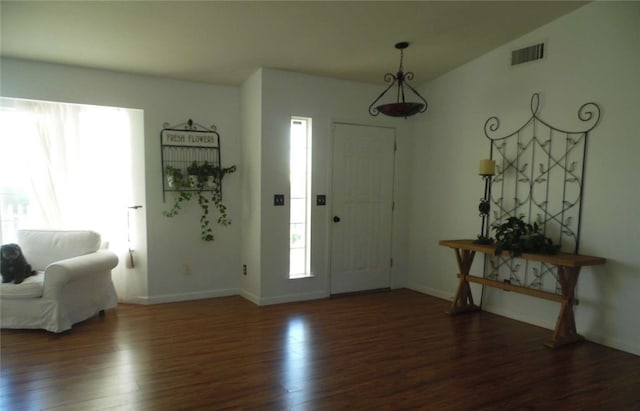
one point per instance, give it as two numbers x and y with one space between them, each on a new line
527 54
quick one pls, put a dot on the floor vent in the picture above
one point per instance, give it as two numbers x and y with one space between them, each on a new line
527 54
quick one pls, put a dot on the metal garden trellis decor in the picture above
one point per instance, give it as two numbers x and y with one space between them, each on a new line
539 176
191 168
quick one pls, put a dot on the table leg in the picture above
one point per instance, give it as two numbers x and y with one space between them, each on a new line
463 300
565 331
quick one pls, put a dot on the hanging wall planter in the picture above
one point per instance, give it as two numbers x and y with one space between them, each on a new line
198 185
191 166
175 178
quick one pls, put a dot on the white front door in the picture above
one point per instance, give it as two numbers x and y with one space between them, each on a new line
362 201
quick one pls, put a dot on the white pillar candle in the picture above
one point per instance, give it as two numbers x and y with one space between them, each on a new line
487 167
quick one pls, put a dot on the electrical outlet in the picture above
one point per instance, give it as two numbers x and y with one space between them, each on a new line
278 199
244 269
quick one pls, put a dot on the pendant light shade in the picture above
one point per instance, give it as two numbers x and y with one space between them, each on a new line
399 108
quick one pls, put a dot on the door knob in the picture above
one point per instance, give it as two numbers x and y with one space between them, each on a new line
336 219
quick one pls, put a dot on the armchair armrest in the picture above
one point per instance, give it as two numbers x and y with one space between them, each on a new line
58 274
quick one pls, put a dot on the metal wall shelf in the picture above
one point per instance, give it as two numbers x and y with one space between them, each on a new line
184 144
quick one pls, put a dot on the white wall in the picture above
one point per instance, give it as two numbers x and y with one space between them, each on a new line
251 97
593 55
253 121
287 94
173 244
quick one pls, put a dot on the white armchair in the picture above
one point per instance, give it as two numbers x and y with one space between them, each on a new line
73 282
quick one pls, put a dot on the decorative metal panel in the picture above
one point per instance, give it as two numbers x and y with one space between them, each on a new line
539 176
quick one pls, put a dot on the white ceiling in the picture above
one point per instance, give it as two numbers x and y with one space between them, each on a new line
225 42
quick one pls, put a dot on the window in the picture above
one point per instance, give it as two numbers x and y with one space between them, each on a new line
69 166
300 195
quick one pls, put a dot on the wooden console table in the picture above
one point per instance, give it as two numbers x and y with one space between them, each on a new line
568 266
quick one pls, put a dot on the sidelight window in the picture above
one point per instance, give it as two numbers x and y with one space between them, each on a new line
300 195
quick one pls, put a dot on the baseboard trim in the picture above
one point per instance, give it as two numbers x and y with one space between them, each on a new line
613 343
445 295
200 295
135 300
518 316
293 298
172 298
250 296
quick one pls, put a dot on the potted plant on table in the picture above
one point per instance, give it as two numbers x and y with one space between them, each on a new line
518 237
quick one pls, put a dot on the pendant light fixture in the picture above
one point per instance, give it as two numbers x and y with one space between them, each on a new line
401 108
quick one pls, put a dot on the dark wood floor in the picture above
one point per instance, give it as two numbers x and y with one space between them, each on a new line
386 351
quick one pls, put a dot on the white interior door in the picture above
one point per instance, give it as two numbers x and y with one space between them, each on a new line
362 201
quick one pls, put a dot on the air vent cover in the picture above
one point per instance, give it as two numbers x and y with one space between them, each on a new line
527 54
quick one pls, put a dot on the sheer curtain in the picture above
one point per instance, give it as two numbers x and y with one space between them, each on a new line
66 166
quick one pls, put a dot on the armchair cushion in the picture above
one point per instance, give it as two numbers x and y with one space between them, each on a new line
31 287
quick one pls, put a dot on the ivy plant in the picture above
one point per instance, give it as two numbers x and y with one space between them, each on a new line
179 182
206 188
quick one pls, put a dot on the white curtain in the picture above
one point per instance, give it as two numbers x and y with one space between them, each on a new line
74 168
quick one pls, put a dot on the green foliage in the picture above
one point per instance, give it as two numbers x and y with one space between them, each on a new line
174 176
519 237
193 169
205 193
178 182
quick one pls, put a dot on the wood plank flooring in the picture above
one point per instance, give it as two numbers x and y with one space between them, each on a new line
386 351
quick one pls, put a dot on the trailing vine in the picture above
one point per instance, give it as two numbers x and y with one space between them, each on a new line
203 180
177 181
